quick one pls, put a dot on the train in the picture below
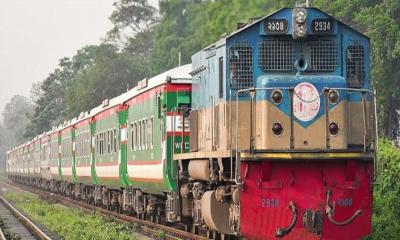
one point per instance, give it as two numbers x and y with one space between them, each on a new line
269 133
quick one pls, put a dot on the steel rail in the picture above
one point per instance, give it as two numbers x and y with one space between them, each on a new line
147 228
35 230
2 237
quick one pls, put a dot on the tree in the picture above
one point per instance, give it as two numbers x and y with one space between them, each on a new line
188 26
50 109
382 25
16 116
131 17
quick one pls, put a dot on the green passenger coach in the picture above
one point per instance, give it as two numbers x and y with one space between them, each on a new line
119 154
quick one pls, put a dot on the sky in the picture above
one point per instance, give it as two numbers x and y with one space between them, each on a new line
35 34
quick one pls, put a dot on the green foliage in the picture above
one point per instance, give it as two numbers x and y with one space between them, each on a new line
131 17
188 26
380 20
109 74
160 235
386 194
69 223
16 116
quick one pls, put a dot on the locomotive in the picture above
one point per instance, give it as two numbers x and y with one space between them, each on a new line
269 133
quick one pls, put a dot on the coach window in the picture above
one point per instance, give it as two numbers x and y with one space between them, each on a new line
144 134
115 140
100 143
133 136
111 140
135 140
104 142
107 142
147 133
97 143
152 132
140 136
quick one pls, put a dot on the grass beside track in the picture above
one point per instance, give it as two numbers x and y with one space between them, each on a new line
69 223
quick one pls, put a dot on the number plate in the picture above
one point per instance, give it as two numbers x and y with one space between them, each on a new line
269 202
276 26
322 26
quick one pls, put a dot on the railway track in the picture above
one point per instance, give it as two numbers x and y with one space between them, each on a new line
147 228
18 224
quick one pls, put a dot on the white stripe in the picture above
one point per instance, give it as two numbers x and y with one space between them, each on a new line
107 171
154 171
178 124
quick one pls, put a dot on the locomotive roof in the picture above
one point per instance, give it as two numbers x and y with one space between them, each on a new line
256 21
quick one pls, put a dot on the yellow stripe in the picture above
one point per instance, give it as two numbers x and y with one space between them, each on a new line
305 155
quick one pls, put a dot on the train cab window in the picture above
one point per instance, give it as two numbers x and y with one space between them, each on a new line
221 77
241 66
355 65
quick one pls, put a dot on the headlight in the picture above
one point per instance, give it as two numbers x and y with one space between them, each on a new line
301 31
300 15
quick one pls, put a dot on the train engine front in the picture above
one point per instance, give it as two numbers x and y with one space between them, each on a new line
307 172
283 131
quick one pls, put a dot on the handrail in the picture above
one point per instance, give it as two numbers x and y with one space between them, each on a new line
237 160
173 129
173 121
292 93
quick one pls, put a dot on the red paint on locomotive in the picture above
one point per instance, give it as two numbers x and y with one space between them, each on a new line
269 187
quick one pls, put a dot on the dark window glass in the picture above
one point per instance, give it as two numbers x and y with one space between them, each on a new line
355 62
221 77
241 66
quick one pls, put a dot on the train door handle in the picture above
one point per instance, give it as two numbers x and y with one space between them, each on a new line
331 209
281 232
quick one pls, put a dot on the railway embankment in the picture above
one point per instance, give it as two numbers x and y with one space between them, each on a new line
68 223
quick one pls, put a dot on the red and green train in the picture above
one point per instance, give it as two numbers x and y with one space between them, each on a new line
118 154
270 133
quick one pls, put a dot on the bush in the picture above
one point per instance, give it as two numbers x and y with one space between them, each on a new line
69 223
386 218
